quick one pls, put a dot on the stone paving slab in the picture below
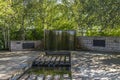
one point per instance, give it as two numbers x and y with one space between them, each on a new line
24 77
15 63
41 77
95 66
85 65
49 77
57 77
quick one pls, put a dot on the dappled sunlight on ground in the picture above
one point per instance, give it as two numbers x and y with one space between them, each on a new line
95 66
10 60
85 65
15 53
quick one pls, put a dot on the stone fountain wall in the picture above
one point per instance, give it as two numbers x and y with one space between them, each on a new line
109 44
18 45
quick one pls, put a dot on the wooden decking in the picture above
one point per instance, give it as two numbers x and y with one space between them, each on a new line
53 59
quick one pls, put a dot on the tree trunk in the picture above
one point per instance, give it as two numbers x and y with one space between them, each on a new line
5 38
22 27
23 30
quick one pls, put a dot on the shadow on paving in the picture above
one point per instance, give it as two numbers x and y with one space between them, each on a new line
111 61
10 61
4 54
90 65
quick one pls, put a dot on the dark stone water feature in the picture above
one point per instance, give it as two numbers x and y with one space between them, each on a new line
59 40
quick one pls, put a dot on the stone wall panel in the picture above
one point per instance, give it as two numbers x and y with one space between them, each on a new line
18 45
111 43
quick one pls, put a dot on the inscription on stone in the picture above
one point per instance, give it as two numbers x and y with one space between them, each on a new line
28 45
99 43
18 42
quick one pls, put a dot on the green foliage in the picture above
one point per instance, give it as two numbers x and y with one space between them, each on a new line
112 32
27 19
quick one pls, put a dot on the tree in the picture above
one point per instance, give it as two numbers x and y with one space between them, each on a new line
27 19
5 14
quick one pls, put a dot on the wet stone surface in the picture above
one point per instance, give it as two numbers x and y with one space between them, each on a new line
95 66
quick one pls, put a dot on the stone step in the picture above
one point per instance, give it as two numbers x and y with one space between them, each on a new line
49 77
45 77
24 77
40 77
16 73
96 79
85 77
57 77
66 77
19 70
32 77
5 77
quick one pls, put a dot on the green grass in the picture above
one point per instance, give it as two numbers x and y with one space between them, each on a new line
49 71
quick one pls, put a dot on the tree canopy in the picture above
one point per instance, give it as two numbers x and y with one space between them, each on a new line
27 19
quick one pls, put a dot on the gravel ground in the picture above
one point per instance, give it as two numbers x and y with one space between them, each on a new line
95 66
85 65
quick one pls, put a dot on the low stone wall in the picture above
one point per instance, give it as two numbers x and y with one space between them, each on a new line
111 44
22 45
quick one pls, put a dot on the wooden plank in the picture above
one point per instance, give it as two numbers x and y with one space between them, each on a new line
54 58
48 60
67 61
38 60
39 57
62 61
51 61
57 61
43 61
